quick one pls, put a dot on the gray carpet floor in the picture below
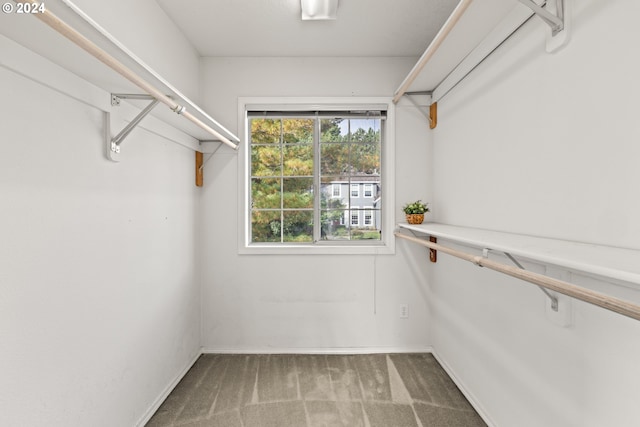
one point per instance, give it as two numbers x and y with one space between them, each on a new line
376 390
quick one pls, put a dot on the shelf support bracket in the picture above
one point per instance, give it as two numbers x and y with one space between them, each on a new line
113 144
199 166
433 254
556 22
553 298
432 115
201 163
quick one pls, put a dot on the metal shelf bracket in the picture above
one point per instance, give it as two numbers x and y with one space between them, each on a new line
552 298
113 143
556 22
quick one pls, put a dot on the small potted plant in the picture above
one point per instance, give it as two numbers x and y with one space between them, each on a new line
415 211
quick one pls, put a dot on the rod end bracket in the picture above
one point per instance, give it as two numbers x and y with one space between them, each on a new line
112 149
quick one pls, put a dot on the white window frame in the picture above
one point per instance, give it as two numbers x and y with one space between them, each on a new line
387 243
357 192
356 213
367 210
364 190
333 191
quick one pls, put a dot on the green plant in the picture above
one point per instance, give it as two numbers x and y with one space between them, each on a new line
416 207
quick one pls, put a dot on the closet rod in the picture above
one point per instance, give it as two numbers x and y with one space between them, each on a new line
433 47
66 30
592 297
147 68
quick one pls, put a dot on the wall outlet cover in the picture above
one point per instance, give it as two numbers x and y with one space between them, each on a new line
404 311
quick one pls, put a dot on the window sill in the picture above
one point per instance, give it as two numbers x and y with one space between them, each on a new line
328 249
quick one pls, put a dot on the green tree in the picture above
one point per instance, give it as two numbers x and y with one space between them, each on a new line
282 179
282 173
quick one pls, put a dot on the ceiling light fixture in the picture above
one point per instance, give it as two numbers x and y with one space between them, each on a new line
319 9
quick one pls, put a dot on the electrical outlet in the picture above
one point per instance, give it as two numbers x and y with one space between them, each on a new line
404 311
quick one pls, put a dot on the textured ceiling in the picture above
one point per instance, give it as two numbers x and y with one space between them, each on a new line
274 27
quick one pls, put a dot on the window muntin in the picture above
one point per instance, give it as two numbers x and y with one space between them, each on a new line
295 153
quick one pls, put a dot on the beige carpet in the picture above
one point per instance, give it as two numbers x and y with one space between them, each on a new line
380 390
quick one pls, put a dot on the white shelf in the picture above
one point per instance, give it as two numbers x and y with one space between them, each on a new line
473 31
604 261
478 20
42 40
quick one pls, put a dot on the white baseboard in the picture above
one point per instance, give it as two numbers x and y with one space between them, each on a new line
465 391
156 404
306 350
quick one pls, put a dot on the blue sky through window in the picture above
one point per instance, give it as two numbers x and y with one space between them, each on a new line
365 124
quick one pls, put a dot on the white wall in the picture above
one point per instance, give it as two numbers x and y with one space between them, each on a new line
547 145
99 287
308 303
145 29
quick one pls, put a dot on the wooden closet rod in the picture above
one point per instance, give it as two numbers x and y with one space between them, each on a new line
66 30
592 297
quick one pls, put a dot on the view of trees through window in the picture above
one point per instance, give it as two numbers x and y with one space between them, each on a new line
291 157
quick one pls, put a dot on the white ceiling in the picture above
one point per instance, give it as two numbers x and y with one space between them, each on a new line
274 27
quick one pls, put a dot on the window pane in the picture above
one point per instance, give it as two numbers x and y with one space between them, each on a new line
334 158
364 130
354 224
298 193
265 226
284 173
334 225
334 193
265 131
265 193
298 226
298 160
365 159
367 226
265 161
333 130
297 130
360 234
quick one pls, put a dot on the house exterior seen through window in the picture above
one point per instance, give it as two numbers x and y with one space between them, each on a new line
315 176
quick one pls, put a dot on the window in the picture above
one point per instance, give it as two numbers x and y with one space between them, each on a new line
307 172
368 190
336 192
368 217
355 218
